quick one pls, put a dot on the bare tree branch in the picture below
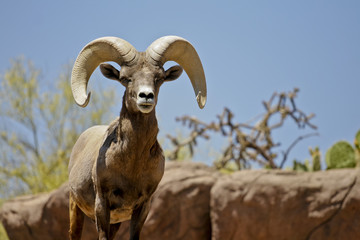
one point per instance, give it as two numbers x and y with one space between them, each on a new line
247 143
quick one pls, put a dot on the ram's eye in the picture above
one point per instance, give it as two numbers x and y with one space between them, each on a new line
158 80
125 80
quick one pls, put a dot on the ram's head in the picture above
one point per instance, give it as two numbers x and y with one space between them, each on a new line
142 73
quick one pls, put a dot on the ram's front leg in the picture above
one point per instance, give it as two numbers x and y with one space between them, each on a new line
137 220
102 216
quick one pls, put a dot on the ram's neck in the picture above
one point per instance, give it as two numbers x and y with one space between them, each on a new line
137 132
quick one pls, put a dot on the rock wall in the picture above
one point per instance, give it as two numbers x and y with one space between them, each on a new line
286 205
195 202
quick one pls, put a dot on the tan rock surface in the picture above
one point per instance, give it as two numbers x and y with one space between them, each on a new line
195 202
286 205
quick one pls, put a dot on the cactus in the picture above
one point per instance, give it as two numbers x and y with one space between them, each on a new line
341 155
306 166
301 167
316 158
357 140
357 148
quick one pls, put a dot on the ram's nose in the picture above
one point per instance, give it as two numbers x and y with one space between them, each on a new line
146 100
147 96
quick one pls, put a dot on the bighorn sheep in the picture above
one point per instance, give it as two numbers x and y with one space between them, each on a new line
114 170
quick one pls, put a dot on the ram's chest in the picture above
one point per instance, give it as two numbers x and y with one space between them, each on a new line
127 173
133 158
124 194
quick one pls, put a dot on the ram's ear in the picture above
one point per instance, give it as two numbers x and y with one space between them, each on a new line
173 73
109 71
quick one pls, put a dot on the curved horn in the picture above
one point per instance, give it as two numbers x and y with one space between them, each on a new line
173 48
100 50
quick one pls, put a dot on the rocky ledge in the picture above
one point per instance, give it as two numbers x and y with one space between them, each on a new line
195 202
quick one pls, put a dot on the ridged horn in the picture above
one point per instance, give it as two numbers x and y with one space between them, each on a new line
100 50
173 48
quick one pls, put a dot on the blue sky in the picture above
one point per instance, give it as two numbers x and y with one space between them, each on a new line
249 49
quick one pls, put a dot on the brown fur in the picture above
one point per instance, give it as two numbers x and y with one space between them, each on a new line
114 170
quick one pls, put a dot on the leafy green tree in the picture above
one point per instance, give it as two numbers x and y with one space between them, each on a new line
3 234
39 124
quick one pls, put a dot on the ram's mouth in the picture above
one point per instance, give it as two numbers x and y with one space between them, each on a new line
145 107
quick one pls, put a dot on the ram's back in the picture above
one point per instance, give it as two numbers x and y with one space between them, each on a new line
87 147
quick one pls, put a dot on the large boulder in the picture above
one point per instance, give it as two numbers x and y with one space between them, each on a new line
42 216
180 210
286 205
